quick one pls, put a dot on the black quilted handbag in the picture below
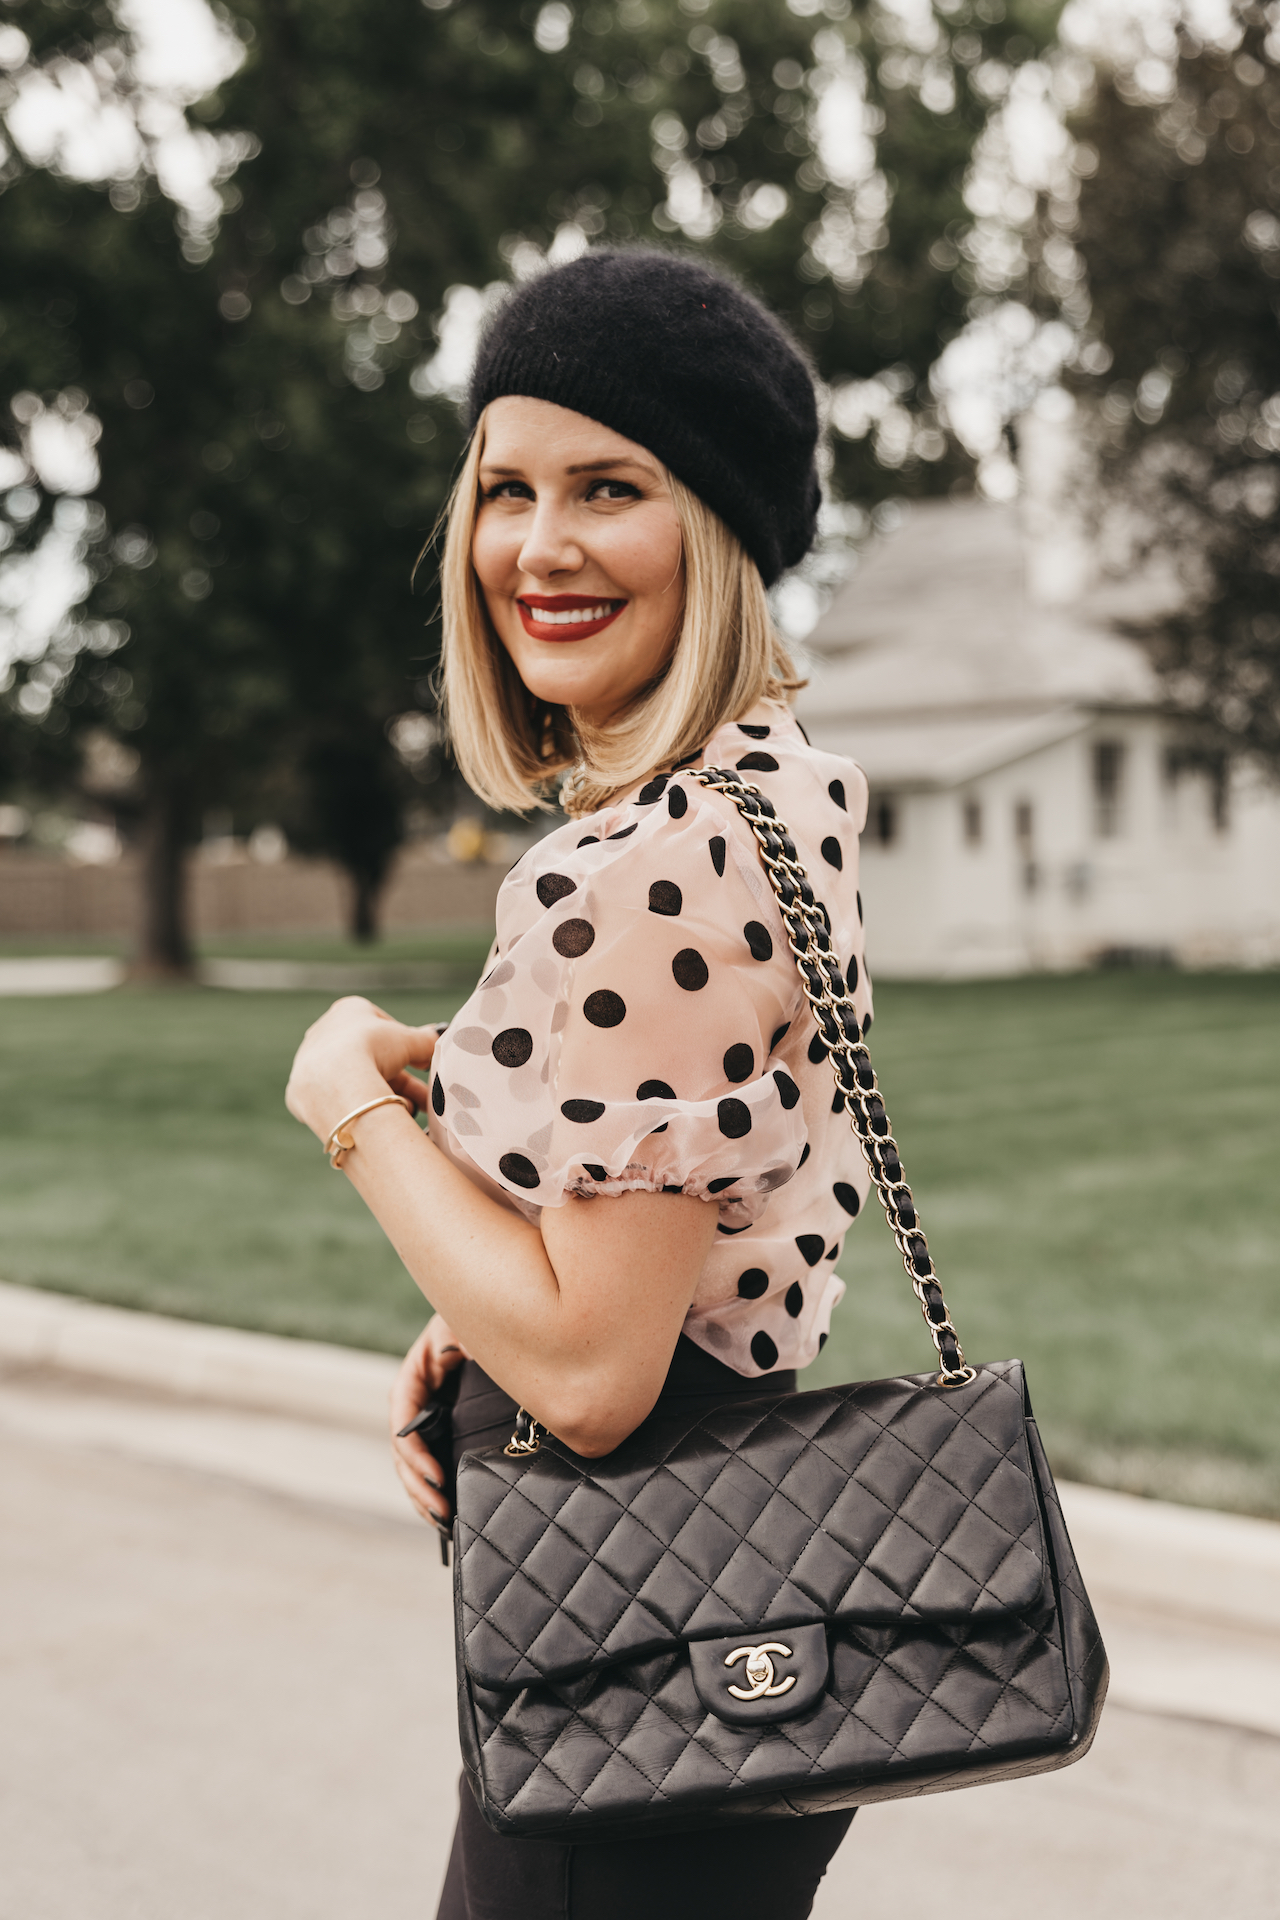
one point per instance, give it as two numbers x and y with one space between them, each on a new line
787 1604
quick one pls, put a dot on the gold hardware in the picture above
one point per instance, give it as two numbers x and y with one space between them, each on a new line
759 1671
338 1148
526 1438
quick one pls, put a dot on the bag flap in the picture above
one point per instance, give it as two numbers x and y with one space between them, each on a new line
886 1501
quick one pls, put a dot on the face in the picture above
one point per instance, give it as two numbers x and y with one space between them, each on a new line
578 552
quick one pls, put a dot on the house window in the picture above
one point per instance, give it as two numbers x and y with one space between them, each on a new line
973 823
1024 831
1108 779
884 821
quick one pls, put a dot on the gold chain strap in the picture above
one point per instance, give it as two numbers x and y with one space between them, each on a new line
809 937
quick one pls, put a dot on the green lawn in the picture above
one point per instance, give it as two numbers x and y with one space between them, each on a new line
1095 1157
451 945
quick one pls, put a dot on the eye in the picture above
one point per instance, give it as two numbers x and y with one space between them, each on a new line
509 490
611 490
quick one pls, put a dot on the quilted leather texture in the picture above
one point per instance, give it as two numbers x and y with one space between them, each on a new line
876 1503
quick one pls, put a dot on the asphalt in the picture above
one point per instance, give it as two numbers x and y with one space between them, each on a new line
227 1682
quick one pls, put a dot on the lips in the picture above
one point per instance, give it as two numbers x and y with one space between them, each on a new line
566 616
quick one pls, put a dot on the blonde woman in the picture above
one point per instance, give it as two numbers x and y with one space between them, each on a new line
631 1184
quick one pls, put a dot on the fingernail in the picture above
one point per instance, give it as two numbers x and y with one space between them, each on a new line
431 1482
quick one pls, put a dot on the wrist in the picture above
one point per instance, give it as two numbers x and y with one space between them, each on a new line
325 1098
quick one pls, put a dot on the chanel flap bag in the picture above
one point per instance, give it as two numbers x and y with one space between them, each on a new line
786 1604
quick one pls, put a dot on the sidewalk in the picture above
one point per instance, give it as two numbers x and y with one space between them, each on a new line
228 1673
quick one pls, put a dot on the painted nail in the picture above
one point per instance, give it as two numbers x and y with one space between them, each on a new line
433 1482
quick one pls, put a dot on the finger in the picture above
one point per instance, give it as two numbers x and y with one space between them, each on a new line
412 1088
431 1505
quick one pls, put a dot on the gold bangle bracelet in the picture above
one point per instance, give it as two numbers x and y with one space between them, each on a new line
338 1148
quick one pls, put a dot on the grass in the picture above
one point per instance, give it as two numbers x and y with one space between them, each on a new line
1095 1159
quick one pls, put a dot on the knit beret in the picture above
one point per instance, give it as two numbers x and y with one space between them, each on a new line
677 358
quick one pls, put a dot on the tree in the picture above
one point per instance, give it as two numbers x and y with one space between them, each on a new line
1178 227
276 432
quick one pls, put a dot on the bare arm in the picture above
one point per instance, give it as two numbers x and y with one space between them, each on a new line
577 1321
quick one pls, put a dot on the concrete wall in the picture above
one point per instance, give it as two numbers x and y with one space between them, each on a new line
49 897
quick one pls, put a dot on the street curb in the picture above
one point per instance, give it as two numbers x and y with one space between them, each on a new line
306 1378
1184 1562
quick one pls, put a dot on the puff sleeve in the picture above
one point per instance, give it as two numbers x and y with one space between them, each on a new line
626 1038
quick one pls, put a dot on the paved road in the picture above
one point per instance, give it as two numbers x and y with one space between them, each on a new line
223 1703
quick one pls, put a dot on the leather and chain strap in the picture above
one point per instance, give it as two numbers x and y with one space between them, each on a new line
809 937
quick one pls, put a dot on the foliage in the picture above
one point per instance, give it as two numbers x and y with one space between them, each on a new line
276 426
1082 1223
1178 225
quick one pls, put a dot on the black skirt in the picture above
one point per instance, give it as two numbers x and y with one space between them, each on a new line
684 1876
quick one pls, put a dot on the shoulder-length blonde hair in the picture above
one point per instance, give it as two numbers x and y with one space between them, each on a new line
511 747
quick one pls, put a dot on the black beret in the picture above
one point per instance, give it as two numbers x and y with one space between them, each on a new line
676 357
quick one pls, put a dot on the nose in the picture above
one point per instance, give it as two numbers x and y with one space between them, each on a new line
549 547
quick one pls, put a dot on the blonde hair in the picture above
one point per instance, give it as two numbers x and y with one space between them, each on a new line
510 747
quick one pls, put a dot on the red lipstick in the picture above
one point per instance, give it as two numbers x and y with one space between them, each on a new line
567 616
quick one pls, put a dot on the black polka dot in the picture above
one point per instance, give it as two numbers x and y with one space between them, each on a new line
513 1047
859 909
718 1186
591 840
739 1063
851 972
753 1283
655 1090
653 790
822 1341
833 1253
690 758
733 1230
759 939
866 1025
763 1352
734 1117
847 1196
831 852
605 1009
594 1173
520 1171
665 897
778 1037
804 1156
757 763
437 1095
793 1300
836 790
817 1050
677 802
753 733
555 886
573 937
788 1091
717 854
582 1111
837 1101
622 832
812 1246
690 970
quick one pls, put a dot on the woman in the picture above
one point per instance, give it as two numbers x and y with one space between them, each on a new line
632 1183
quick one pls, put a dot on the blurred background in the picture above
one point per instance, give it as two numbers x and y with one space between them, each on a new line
1034 253
245 248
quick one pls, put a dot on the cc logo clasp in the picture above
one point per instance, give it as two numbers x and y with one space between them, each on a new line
759 1671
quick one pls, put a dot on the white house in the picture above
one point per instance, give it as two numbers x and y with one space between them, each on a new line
1031 805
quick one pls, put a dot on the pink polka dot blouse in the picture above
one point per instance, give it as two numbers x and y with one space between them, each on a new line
642 1028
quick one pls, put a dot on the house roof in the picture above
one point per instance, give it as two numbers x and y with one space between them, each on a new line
933 663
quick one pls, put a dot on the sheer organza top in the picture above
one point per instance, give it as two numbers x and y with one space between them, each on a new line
641 1027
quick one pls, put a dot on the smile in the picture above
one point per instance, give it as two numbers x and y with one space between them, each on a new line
568 616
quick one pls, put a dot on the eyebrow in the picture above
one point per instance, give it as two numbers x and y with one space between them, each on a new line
586 466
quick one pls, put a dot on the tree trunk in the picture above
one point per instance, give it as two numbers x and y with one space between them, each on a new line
364 908
164 944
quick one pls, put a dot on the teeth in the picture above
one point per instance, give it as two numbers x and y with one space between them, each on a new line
555 617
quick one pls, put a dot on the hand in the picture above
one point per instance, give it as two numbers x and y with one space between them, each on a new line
353 1053
434 1353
